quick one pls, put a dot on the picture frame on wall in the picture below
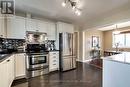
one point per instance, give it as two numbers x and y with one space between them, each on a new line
95 41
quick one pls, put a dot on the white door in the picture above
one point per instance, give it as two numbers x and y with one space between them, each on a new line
16 27
2 27
31 25
10 69
42 26
65 27
3 74
51 31
20 68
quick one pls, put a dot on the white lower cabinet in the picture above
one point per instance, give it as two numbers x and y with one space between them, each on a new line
3 74
7 72
20 66
53 61
11 68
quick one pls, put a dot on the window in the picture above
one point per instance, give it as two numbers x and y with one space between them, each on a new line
128 40
123 40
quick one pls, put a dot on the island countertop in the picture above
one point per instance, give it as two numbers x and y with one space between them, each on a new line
123 57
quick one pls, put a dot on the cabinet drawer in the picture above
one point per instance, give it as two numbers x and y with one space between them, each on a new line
53 61
54 53
54 65
53 57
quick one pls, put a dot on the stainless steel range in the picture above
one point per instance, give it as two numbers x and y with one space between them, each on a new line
37 57
37 64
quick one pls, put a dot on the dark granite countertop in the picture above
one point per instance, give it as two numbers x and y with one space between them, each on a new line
6 55
52 50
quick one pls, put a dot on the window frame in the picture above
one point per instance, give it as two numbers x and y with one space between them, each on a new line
125 41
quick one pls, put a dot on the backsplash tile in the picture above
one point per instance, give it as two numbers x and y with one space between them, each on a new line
8 43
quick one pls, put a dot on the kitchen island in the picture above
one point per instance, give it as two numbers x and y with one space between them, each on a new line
116 70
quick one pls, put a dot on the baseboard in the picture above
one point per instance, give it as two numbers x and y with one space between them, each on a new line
84 60
79 60
87 60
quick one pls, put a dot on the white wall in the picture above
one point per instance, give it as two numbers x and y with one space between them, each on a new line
112 17
88 42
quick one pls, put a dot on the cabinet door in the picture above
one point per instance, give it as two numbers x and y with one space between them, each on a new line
10 67
51 33
20 65
16 27
31 25
2 27
3 74
42 26
65 27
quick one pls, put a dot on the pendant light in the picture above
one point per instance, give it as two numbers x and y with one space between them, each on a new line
116 31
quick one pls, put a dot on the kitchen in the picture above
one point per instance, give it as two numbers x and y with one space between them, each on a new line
70 43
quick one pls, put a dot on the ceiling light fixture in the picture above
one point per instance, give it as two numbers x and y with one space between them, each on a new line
116 31
74 6
63 4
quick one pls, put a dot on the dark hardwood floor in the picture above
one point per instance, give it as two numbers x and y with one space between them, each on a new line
84 76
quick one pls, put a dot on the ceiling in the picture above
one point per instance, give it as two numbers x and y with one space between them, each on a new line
91 9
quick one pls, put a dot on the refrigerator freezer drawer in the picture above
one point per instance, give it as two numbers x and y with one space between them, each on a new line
74 62
66 64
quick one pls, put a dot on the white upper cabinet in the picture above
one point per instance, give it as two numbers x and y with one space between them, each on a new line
2 26
51 31
31 24
41 26
16 27
65 27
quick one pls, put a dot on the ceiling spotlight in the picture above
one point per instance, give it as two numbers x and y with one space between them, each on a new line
63 4
73 8
78 12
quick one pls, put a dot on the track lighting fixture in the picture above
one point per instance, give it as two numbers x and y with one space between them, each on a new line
73 4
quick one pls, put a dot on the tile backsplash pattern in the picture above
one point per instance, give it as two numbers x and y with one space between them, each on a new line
8 43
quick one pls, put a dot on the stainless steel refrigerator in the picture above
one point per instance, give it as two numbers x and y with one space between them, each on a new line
67 51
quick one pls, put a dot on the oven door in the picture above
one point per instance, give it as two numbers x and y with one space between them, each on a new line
38 59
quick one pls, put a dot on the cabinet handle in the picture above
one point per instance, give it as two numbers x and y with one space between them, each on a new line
1 36
54 56
8 60
54 64
54 60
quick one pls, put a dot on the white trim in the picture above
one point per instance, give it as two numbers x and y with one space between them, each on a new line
83 45
84 60
87 60
79 60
